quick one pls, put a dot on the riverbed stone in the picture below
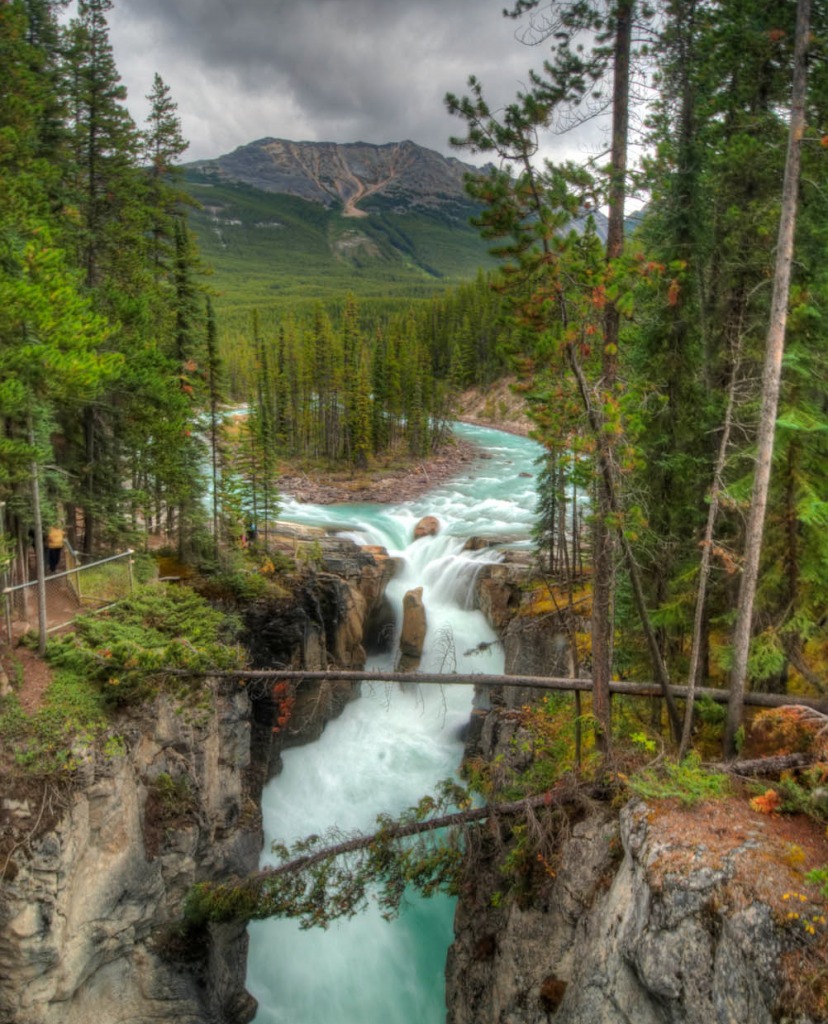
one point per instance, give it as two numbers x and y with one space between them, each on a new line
412 636
428 526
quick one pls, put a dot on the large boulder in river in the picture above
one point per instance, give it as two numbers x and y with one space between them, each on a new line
412 636
428 526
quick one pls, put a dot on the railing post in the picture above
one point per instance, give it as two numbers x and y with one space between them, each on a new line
77 573
5 578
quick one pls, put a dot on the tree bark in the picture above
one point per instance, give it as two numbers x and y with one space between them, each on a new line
631 689
415 828
603 555
704 567
770 382
608 479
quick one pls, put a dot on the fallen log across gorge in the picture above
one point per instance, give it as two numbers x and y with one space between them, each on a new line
631 689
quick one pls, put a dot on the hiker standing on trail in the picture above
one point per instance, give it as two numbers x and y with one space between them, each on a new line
54 546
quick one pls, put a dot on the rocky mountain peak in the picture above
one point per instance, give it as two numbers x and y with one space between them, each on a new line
344 173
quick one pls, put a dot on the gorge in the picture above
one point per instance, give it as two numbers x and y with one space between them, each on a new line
650 916
390 748
91 897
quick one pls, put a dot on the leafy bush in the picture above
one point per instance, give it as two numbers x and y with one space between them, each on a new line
116 658
804 794
240 585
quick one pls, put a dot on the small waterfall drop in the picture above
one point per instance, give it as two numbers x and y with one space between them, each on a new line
388 749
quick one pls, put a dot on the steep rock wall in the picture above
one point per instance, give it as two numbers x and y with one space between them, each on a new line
85 918
329 619
94 888
655 916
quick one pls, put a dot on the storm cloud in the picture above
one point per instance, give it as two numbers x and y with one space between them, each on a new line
317 70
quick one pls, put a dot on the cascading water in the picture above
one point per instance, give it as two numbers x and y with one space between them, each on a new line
387 750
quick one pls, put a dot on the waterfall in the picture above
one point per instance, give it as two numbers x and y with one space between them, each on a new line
388 749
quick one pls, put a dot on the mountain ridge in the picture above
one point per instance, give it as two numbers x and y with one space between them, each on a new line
285 223
404 174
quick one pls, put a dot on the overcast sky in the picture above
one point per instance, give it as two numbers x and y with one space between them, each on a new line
319 70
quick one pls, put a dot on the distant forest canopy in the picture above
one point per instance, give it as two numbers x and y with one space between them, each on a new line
277 251
641 357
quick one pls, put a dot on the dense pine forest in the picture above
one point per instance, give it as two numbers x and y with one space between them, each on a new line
115 367
641 355
654 360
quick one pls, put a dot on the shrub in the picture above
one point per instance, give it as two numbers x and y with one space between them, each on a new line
686 781
127 650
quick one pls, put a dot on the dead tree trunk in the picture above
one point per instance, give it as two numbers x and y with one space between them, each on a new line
770 382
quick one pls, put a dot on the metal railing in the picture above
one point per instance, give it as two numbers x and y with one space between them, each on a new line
96 585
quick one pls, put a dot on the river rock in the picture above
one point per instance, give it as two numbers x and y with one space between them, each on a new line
428 526
413 631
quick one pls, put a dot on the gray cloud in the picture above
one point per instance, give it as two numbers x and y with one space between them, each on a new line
332 70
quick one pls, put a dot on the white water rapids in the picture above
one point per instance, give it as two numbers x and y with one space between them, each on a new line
389 748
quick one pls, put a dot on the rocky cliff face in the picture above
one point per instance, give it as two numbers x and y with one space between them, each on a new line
85 916
94 887
659 914
328 620
656 917
348 174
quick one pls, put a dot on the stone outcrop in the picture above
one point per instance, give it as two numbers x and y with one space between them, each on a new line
658 916
412 635
499 590
533 645
89 904
327 620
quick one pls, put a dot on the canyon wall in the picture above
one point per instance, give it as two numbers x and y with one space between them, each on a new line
94 886
650 916
89 905
651 913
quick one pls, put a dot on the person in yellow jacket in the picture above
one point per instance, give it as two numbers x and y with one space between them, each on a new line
54 545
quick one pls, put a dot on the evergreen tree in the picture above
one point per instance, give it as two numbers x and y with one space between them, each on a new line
213 372
162 143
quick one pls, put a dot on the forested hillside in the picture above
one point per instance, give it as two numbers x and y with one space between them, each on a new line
111 354
276 252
